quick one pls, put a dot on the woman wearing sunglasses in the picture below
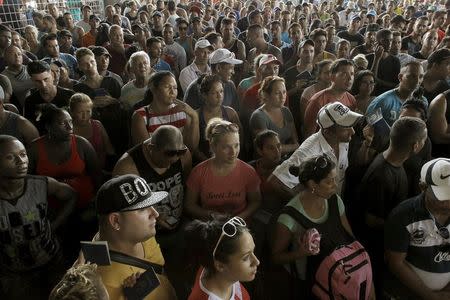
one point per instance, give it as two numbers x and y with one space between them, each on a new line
163 108
323 209
224 250
222 184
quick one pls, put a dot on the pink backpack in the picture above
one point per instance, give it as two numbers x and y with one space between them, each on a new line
342 268
344 274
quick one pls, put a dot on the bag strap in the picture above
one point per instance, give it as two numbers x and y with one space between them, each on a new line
134 261
296 215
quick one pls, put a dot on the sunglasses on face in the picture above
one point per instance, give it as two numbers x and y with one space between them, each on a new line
172 153
229 229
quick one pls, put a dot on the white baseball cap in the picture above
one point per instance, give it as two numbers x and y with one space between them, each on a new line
203 44
223 55
436 173
267 59
336 113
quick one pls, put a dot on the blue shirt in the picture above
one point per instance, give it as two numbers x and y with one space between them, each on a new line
161 65
390 105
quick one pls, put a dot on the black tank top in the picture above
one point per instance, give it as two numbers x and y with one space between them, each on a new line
172 181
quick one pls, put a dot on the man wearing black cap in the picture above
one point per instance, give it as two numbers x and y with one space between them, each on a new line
102 58
369 41
65 42
352 35
127 222
89 37
158 23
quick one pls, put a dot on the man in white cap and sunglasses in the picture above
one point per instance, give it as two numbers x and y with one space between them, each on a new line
222 63
417 238
127 220
336 123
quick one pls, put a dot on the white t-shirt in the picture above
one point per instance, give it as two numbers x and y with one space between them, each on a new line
313 146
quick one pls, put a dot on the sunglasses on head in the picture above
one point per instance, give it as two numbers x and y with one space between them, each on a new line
321 162
229 229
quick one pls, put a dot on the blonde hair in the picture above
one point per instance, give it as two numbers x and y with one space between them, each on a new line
79 283
79 98
218 127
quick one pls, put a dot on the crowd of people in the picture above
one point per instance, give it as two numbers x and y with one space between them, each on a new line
227 150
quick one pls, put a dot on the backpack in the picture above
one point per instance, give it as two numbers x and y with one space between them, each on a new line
342 269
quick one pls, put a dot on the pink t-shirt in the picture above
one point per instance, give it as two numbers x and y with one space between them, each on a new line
224 194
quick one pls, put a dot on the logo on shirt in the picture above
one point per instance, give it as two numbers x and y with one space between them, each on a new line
442 256
418 236
443 177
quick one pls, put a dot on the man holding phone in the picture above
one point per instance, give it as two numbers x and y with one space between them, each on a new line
127 219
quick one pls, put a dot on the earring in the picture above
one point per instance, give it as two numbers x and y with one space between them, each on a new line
313 190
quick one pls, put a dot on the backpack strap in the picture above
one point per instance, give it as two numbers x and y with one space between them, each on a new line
134 261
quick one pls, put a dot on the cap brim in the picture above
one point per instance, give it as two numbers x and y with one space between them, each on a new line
155 198
271 61
233 61
442 193
211 47
350 119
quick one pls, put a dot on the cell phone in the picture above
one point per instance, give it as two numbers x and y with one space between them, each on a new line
100 92
96 252
146 283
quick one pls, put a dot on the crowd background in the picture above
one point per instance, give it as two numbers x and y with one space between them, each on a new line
184 133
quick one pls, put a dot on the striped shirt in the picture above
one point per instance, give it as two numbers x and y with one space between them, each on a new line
154 120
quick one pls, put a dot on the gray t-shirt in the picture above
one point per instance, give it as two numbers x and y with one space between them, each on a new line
260 120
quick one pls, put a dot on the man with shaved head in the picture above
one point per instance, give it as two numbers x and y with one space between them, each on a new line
164 162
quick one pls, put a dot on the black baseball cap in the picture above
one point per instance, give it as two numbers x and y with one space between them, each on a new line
126 193
99 50
64 32
306 42
438 56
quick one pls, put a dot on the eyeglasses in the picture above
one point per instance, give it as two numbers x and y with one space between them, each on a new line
172 153
321 162
229 229
175 152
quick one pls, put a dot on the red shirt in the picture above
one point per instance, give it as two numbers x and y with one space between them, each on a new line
318 101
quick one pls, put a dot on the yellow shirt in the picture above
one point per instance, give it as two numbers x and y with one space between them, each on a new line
114 275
